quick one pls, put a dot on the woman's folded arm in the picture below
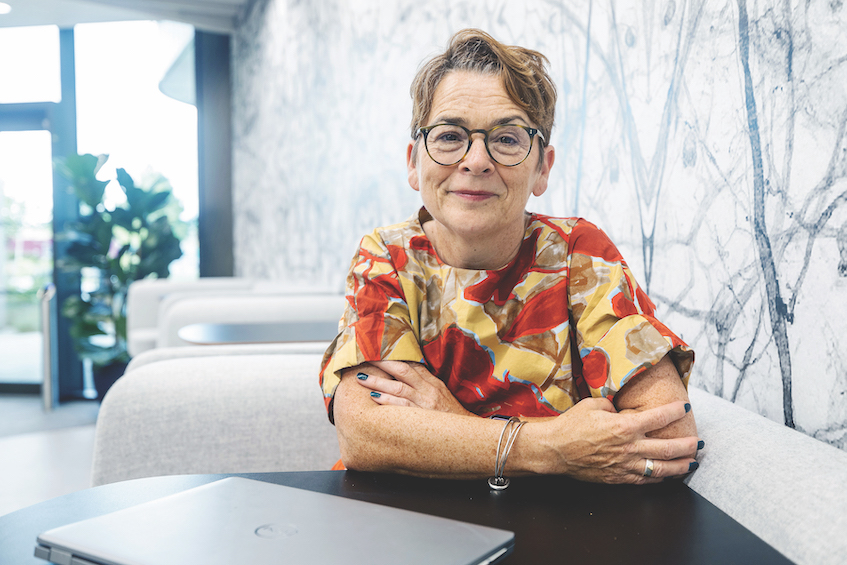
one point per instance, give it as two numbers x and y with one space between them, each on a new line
591 441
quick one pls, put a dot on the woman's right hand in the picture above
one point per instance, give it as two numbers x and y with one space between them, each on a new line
403 383
593 442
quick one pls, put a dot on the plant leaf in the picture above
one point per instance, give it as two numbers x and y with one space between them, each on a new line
81 171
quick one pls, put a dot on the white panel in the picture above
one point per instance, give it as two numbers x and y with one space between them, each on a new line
653 144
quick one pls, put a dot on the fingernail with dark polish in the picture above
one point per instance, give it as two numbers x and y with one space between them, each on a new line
693 466
687 408
375 394
362 377
701 444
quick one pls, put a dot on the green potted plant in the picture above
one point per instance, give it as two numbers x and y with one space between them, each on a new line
111 248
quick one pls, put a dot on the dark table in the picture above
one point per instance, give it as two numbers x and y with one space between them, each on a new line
555 519
258 332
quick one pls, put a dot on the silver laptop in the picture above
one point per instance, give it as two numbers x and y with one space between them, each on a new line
237 520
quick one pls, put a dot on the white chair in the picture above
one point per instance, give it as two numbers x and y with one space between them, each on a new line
167 353
144 296
181 311
218 414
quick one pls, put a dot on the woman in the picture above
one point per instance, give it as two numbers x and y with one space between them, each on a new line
474 311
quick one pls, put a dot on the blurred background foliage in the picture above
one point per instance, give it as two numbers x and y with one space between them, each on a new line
111 247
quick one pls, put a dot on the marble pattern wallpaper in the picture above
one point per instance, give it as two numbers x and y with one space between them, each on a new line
708 138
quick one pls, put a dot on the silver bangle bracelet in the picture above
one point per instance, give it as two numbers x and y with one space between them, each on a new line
513 426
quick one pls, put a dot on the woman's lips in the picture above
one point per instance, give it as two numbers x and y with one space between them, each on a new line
473 195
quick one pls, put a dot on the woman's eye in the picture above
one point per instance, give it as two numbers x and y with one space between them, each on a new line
449 137
506 140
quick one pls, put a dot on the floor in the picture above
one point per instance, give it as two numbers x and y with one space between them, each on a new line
43 455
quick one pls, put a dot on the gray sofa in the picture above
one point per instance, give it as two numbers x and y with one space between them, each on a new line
786 487
233 409
213 414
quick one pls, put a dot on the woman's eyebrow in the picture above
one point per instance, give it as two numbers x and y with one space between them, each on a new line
463 122
450 120
509 120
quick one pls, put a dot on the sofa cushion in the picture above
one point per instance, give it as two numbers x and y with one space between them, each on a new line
226 414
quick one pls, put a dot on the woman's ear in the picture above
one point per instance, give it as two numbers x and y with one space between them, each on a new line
547 160
412 165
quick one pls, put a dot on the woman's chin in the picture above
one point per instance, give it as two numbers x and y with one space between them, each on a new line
472 226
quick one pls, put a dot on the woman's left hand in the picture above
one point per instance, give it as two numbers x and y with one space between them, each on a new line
407 384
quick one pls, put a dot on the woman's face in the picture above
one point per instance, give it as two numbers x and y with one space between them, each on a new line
477 198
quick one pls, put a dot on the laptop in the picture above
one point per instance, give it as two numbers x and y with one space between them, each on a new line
238 520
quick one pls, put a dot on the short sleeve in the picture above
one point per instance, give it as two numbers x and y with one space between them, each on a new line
617 334
376 324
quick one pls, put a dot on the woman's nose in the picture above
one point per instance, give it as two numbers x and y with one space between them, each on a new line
477 160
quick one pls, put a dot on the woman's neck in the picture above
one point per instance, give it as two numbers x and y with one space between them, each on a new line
482 252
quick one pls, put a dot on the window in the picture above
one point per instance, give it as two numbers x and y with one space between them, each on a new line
30 64
26 261
121 112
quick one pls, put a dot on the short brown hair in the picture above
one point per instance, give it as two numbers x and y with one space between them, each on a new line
524 74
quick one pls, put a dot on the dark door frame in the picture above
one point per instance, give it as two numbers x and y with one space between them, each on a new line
215 222
214 153
59 118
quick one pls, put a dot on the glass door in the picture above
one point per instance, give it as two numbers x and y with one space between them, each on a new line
26 260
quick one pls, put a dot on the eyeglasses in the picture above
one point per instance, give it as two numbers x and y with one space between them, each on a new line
509 144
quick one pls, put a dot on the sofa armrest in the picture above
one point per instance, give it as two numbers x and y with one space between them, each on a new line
226 414
786 487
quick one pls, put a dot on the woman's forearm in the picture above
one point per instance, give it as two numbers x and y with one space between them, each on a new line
656 386
591 441
415 441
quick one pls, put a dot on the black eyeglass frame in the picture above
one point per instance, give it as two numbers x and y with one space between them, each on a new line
531 131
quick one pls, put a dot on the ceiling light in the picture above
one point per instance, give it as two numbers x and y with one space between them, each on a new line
4 8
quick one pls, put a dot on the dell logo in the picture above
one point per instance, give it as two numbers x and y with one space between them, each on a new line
276 531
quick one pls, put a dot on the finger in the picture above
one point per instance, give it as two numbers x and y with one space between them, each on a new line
367 368
409 373
661 416
666 449
665 469
387 399
384 385
413 381
597 404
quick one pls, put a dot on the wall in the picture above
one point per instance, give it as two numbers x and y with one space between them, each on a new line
707 138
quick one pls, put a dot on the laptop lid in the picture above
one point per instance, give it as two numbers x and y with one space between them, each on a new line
238 520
